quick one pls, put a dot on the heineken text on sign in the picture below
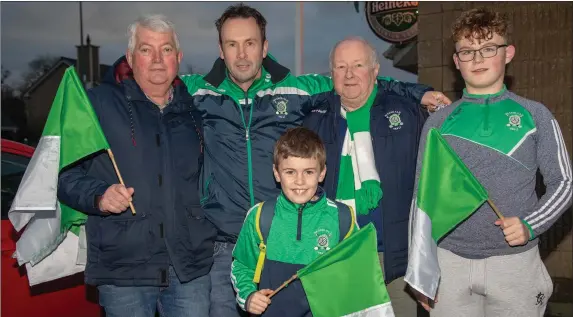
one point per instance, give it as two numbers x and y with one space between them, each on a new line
393 21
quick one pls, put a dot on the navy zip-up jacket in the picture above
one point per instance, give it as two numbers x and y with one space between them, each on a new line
396 124
160 155
241 129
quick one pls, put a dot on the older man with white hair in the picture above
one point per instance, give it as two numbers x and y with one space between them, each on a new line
156 259
371 141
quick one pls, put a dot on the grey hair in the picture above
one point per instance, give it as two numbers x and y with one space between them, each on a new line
373 54
153 22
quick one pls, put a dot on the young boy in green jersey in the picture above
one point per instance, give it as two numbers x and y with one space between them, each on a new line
489 266
305 225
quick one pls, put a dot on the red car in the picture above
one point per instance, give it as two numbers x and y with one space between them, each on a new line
66 297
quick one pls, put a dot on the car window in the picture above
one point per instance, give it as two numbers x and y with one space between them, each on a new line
13 168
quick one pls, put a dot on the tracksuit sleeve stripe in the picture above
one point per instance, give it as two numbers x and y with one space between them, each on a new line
559 189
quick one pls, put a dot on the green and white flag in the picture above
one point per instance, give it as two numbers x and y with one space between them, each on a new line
348 280
448 193
50 246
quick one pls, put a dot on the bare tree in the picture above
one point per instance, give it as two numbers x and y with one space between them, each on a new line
7 90
5 74
36 68
13 110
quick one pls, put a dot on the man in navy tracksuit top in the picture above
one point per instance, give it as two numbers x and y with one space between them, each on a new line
395 127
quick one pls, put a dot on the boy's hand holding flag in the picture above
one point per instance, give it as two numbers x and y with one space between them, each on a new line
347 280
447 194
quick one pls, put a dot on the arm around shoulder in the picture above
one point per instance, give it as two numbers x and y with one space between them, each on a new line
191 81
314 83
412 91
313 90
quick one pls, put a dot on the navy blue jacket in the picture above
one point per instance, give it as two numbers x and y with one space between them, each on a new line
160 155
395 150
241 129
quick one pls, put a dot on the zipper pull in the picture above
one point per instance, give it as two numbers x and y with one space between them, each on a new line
247 134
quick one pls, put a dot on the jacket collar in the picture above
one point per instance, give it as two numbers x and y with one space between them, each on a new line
218 72
312 204
486 98
377 100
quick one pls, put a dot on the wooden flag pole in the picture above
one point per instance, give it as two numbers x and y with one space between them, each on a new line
494 207
119 176
285 284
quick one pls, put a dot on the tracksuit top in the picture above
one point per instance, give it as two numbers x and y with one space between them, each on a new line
287 251
504 139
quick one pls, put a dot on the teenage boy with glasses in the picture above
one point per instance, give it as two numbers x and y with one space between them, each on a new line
489 266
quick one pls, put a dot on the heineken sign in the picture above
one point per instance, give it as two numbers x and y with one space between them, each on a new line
393 21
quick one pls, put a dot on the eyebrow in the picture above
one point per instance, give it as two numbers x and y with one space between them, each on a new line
144 43
294 169
246 40
354 61
482 46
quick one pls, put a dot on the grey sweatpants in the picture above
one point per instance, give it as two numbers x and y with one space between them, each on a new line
516 285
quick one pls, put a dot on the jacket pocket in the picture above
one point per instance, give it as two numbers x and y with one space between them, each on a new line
195 212
186 147
202 232
124 242
209 192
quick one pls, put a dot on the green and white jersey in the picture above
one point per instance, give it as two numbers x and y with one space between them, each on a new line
504 139
298 235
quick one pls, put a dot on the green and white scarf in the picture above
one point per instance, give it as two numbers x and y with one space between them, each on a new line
358 180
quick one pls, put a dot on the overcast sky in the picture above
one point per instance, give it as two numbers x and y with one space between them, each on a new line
30 29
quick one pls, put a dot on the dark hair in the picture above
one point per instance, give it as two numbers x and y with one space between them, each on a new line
480 24
299 142
242 11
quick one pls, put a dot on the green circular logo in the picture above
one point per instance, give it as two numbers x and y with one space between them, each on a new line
394 119
281 107
393 21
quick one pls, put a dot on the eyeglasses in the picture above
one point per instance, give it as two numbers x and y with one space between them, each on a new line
485 52
352 68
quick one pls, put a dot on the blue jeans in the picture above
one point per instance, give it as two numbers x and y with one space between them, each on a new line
223 303
189 299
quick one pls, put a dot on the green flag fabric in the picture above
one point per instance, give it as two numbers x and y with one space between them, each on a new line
348 280
447 194
72 131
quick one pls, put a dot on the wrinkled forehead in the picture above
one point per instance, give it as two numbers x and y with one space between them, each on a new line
351 51
237 29
148 36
